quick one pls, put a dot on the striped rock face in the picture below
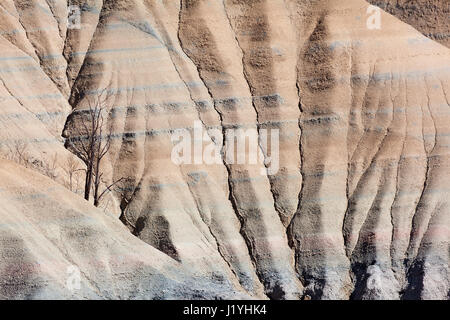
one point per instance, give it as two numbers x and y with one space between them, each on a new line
346 107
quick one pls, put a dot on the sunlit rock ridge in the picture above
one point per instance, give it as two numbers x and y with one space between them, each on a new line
359 208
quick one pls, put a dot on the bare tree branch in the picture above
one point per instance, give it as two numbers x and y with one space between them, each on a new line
91 141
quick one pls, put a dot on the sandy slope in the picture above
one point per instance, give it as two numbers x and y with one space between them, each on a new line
359 208
46 230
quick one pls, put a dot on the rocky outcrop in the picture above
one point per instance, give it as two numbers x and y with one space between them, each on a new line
32 108
431 17
358 208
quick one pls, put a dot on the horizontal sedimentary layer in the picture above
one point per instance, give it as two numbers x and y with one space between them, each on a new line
357 207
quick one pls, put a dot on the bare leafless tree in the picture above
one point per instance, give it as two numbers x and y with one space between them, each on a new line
98 196
49 168
18 152
91 141
71 168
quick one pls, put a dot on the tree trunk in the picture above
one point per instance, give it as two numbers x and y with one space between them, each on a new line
70 181
88 183
96 202
96 170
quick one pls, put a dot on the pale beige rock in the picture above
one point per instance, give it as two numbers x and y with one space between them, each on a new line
359 206
49 237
